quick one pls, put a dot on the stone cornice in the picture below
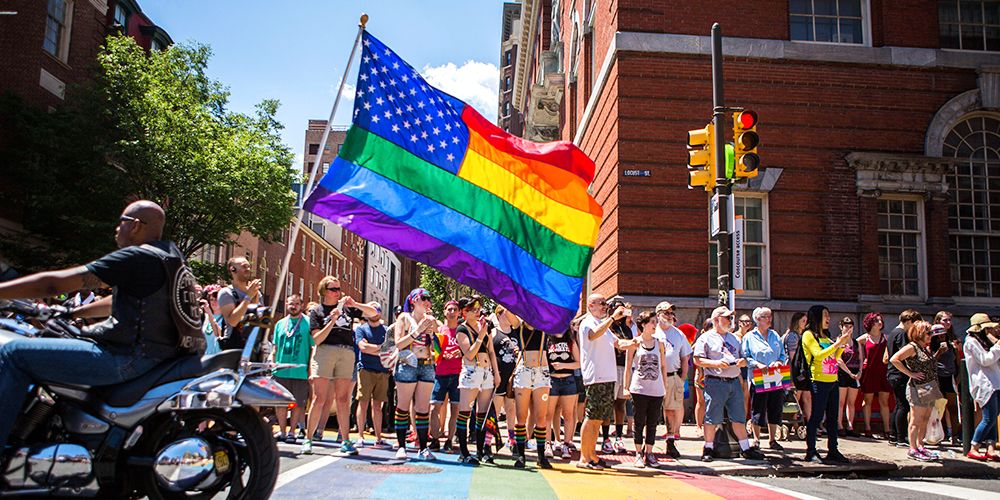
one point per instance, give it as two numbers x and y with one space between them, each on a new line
884 173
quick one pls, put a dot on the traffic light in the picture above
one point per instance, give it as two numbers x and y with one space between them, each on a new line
745 141
701 149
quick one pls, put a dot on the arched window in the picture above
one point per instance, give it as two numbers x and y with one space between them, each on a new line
974 213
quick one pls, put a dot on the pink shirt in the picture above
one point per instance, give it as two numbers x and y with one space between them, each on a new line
450 362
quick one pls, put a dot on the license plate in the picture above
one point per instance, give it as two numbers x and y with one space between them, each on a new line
221 462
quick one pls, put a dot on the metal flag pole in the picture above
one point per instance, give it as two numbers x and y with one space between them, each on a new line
312 174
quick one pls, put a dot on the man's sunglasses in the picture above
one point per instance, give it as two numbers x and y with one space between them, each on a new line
129 218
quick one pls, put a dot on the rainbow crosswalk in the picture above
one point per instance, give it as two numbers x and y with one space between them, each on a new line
374 474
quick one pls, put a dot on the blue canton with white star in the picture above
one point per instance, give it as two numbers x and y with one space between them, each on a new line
396 103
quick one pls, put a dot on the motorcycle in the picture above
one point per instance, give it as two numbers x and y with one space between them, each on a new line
185 429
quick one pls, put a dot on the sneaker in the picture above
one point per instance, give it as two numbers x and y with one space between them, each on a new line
651 460
813 458
302 432
549 452
918 456
347 448
543 463
775 446
401 453
447 446
836 457
318 436
468 460
571 445
426 455
434 445
360 443
279 437
640 461
752 454
557 450
411 437
565 450
530 445
707 454
607 447
381 443
518 462
340 438
619 445
307 447
672 450
290 438
487 458
933 454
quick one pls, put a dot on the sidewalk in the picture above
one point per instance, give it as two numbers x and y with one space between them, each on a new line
869 457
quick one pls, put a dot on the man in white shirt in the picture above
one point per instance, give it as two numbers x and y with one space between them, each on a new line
677 355
597 362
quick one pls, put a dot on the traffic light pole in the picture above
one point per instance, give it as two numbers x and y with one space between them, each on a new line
723 189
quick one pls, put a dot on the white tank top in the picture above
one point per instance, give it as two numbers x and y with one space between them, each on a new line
647 377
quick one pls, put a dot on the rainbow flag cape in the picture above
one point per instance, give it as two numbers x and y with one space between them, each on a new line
436 346
772 379
423 174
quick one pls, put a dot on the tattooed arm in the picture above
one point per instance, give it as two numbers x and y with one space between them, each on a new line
49 283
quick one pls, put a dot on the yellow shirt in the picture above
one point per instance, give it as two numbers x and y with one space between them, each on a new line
822 356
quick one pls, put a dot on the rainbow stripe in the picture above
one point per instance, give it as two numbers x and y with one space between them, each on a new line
772 379
425 175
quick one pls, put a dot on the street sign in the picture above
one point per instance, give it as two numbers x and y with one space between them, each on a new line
637 173
714 219
738 268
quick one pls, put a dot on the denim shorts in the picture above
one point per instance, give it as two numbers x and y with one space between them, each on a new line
563 386
407 374
446 387
724 395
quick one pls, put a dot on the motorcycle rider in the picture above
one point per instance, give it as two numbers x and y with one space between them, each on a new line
138 334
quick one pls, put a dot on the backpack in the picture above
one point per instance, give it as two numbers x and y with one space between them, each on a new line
185 306
801 371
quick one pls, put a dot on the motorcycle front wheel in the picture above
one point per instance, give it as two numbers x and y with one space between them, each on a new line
202 454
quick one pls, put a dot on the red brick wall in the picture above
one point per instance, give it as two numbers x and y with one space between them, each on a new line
654 240
22 56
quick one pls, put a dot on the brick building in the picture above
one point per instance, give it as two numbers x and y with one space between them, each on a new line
46 45
880 133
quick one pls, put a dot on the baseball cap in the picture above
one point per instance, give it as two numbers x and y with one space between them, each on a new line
721 311
664 306
980 321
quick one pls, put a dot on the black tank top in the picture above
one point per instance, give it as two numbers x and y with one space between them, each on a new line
560 350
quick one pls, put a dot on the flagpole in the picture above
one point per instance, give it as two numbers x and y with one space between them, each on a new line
312 174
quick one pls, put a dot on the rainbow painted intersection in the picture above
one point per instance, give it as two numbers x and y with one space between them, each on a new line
374 474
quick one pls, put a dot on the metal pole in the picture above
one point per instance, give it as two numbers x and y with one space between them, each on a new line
722 186
312 174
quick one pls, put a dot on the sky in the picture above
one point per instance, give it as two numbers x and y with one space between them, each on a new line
295 51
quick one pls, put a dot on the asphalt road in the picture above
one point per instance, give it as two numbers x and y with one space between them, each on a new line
374 473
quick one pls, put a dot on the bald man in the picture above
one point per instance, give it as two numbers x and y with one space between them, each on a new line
138 334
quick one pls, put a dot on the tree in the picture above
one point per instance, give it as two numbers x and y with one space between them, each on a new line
443 289
149 125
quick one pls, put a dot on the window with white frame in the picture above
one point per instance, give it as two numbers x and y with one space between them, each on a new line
969 25
288 283
58 19
753 209
121 17
832 21
302 287
312 253
974 209
900 244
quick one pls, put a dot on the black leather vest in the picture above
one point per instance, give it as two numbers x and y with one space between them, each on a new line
141 325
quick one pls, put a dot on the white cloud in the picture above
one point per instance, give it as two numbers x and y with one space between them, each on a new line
474 82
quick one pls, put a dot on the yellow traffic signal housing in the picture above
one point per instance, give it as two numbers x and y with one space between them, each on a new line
745 142
701 152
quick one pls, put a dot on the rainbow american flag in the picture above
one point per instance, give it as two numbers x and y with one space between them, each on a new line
772 379
423 174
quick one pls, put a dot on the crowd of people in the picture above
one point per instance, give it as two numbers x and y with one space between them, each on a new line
454 382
